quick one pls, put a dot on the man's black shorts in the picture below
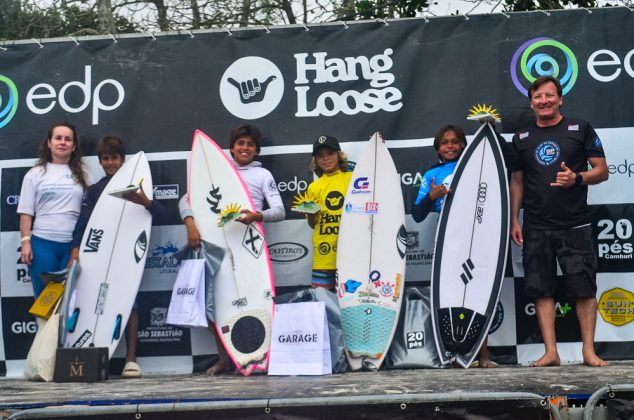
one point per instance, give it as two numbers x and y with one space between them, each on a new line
573 248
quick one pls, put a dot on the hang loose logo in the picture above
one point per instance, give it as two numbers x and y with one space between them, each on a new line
251 87
252 90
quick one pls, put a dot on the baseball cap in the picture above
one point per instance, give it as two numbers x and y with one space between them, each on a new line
326 141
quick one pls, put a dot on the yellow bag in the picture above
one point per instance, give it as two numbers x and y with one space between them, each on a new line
43 306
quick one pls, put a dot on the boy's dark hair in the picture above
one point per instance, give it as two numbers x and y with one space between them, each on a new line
110 145
449 127
542 81
245 130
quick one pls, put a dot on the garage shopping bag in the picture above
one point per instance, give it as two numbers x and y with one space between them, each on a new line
40 362
300 343
213 256
187 306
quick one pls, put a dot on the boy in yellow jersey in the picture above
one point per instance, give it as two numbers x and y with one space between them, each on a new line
329 163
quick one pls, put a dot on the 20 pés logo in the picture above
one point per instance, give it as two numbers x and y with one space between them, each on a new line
251 87
543 57
9 91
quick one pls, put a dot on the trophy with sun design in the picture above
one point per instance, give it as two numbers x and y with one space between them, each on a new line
484 113
229 213
306 203
122 192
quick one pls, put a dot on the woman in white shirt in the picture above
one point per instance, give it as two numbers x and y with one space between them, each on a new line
50 202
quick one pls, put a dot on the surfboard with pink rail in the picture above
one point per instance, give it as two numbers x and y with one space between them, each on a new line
244 285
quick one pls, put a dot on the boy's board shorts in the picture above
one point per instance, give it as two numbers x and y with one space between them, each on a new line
573 248
324 278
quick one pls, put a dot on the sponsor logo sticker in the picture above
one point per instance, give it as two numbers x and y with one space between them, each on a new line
616 306
547 153
253 241
93 240
285 252
166 192
251 87
415 340
543 57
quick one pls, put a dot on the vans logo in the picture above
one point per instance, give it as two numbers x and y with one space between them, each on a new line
93 240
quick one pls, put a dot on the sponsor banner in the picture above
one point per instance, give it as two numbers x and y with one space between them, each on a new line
156 337
612 226
615 308
15 279
10 184
503 329
169 178
292 175
619 153
420 248
291 252
299 85
566 323
161 267
18 326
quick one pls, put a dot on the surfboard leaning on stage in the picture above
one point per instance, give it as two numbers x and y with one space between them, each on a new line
371 257
112 258
470 249
243 287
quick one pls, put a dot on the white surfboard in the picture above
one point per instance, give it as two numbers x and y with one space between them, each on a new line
112 258
371 257
470 251
243 287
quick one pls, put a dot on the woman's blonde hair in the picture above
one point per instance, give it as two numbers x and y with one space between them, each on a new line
342 159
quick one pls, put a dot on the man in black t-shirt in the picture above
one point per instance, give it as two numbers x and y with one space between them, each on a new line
559 157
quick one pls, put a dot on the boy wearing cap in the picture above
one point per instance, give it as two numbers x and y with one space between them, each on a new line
329 163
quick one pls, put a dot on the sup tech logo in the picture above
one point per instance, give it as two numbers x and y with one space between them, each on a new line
549 57
74 96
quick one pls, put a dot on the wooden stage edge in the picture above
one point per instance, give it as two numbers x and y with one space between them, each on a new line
573 381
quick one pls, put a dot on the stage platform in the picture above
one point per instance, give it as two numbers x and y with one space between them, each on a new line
403 393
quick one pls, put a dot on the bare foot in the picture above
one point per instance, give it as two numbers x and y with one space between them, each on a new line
547 360
488 364
221 366
593 360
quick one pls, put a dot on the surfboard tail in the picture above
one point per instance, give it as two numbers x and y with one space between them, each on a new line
367 329
247 338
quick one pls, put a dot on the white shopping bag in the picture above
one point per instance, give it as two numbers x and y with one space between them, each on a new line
300 343
187 306
40 362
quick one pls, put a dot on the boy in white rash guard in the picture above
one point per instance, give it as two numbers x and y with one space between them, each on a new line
244 145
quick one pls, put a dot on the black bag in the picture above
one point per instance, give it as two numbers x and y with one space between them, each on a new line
413 343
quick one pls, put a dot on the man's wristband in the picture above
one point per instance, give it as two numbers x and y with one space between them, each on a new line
578 178
25 238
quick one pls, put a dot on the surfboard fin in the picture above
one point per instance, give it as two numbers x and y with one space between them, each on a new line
116 334
72 321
